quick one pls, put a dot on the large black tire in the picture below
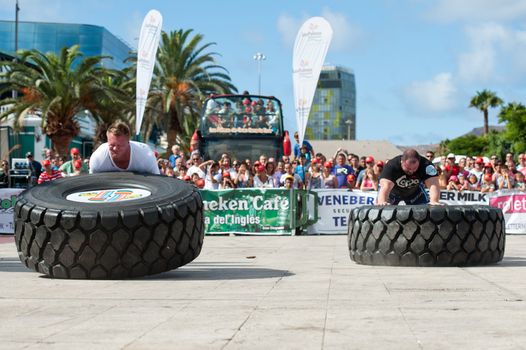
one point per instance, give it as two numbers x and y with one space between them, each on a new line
421 235
63 238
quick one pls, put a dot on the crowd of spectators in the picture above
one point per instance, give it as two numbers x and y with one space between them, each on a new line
476 174
304 169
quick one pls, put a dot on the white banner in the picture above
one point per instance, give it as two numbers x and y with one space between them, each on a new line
334 207
7 205
146 55
513 205
310 49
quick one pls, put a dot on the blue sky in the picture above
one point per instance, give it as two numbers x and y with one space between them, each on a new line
417 63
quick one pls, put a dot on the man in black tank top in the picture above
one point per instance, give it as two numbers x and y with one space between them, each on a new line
405 177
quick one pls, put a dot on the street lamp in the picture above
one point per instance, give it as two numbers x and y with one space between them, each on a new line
259 57
349 123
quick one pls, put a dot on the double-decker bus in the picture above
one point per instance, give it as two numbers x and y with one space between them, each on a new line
243 126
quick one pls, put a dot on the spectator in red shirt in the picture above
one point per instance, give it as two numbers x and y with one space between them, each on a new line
451 168
49 174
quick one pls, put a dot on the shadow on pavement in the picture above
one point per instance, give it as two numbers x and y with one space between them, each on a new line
12 265
211 273
512 261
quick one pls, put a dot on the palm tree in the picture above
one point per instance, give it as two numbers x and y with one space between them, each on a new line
514 115
484 100
119 104
55 86
184 75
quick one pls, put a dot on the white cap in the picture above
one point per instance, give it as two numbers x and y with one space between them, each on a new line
451 155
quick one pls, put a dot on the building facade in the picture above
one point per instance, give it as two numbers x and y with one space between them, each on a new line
52 37
333 112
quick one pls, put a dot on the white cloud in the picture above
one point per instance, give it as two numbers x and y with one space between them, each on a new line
346 35
288 26
431 96
495 53
477 10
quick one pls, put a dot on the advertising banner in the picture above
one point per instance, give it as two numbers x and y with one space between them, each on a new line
248 211
310 49
463 197
513 205
146 56
334 207
7 206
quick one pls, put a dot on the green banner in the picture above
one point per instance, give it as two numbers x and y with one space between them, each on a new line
249 211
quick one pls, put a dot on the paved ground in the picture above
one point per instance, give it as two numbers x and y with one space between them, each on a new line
271 293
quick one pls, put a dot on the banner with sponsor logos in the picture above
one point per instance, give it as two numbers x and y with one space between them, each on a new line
7 205
310 48
334 206
513 205
249 211
146 56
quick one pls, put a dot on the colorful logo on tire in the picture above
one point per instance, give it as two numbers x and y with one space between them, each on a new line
108 196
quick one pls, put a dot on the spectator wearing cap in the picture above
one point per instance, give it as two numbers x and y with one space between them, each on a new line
369 164
329 179
48 174
226 182
35 168
305 143
453 183
289 182
289 170
522 163
478 169
350 182
261 179
487 184
378 167
451 167
341 170
68 168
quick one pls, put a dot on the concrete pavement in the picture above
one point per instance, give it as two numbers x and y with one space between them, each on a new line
270 292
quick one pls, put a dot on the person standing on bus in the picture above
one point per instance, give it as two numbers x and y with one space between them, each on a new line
297 147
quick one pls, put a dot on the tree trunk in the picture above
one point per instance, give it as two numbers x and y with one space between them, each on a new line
174 130
61 144
486 126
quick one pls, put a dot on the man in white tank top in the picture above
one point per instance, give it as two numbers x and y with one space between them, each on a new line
121 154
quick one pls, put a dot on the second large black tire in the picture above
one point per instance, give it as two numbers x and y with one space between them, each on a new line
422 235
109 238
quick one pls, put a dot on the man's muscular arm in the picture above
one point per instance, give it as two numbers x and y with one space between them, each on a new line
385 189
434 190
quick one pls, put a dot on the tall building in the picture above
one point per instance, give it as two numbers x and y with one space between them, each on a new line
52 37
333 112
